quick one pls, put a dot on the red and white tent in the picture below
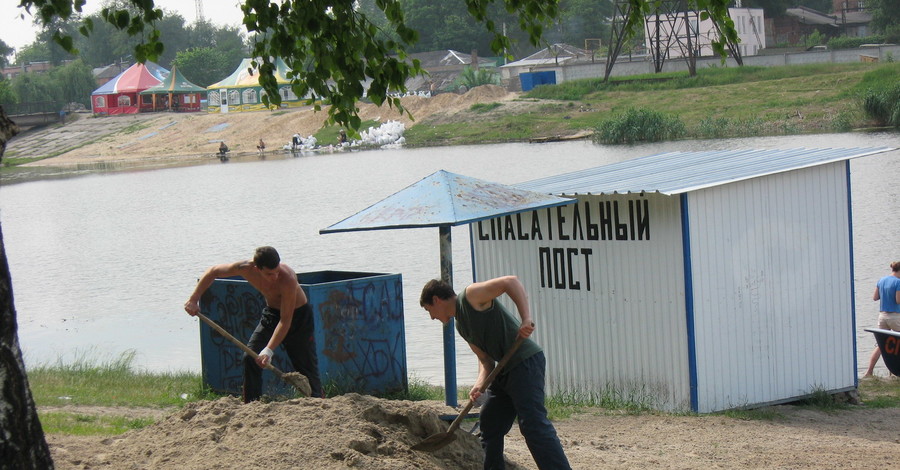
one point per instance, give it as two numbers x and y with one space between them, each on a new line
121 95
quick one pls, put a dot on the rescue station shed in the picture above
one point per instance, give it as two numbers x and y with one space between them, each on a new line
690 281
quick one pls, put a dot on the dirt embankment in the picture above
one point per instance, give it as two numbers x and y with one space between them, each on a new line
186 135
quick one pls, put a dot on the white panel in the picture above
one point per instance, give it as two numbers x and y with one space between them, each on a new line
616 327
771 279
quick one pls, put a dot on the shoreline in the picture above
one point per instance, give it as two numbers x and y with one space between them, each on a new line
167 136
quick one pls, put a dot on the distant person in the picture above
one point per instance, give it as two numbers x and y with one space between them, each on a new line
342 137
261 146
296 142
286 320
888 292
223 149
518 391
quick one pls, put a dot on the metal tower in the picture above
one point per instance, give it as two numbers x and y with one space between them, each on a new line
199 13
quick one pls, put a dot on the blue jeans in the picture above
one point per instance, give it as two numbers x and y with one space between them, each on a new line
519 392
299 343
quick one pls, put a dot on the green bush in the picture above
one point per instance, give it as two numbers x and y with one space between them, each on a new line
718 128
846 42
472 78
639 125
814 39
883 105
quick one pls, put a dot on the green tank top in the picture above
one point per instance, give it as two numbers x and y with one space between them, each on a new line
493 331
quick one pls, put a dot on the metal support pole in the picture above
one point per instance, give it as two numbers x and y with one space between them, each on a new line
449 336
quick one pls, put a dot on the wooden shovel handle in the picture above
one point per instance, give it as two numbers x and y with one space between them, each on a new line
234 340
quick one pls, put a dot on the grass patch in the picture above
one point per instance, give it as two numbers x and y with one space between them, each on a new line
16 161
821 400
328 135
880 392
721 102
136 127
88 425
547 120
484 107
112 383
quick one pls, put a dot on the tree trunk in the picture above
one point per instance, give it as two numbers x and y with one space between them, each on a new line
22 443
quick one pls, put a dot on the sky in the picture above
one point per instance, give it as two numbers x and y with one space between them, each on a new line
17 32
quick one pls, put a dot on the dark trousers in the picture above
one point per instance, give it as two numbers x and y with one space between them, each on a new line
299 343
519 392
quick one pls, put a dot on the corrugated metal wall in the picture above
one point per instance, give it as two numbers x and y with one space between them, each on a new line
772 292
608 301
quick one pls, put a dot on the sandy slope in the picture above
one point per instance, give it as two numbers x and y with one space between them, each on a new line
192 135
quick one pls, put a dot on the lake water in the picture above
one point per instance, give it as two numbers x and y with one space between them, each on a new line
102 263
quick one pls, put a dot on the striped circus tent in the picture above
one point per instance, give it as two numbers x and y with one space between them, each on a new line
121 95
175 93
241 90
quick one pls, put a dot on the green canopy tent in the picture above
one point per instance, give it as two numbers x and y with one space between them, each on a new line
241 90
178 93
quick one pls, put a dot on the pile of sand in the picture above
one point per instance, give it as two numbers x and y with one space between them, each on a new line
349 431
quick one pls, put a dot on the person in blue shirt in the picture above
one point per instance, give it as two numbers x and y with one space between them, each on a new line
888 292
518 390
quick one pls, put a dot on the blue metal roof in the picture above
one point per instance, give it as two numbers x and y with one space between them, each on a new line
445 199
679 172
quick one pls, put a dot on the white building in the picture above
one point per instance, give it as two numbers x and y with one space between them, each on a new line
690 281
673 32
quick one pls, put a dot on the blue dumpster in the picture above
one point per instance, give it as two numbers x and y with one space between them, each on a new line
359 332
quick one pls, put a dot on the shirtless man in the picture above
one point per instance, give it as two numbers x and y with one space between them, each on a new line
286 320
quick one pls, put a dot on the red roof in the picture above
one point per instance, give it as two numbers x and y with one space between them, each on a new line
135 79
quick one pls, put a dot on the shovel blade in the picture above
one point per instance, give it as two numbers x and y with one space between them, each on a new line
298 381
435 442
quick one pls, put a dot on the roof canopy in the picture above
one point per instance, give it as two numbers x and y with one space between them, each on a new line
245 75
445 199
134 79
174 83
679 172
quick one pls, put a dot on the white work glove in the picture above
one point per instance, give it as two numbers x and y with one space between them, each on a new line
267 352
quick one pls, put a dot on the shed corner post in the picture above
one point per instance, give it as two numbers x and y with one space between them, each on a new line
689 300
449 337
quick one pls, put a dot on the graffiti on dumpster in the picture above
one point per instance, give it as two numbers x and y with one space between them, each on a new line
357 328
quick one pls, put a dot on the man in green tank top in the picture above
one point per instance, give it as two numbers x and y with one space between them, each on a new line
518 391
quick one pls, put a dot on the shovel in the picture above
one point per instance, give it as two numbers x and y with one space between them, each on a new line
294 379
440 440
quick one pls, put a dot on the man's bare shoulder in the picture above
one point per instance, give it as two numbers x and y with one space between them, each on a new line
238 268
289 276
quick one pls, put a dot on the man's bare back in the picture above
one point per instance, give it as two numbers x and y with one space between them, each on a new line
273 284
